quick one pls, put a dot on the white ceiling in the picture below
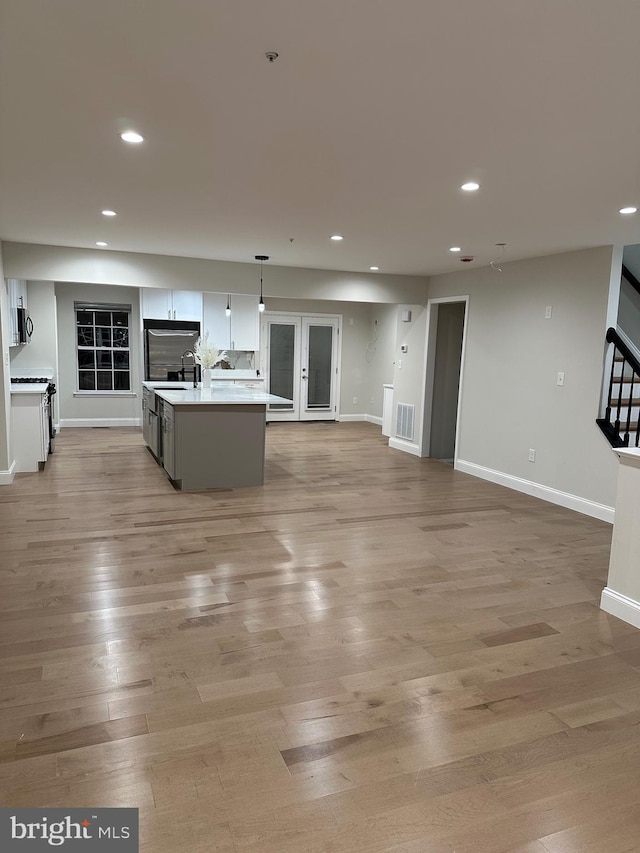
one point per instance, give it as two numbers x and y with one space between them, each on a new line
366 125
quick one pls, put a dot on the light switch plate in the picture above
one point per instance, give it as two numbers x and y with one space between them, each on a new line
547 312
560 380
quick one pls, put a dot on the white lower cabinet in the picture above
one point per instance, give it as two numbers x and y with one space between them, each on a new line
29 431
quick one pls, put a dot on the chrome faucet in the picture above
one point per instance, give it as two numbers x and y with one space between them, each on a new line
195 366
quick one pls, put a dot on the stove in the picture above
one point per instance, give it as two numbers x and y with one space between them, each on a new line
51 390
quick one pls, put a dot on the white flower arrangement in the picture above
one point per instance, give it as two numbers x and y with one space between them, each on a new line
206 353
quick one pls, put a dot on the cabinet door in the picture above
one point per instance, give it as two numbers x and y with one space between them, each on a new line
156 304
245 323
187 305
169 441
215 320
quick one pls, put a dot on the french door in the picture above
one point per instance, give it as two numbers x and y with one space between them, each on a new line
300 362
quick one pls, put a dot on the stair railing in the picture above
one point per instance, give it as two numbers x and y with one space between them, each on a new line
618 424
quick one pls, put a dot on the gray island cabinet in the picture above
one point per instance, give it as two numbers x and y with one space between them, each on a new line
211 438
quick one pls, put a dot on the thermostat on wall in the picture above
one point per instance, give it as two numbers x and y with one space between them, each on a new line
406 316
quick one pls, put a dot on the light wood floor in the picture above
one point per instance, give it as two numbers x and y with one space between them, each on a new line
372 652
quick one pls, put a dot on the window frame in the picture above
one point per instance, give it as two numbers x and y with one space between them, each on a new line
126 372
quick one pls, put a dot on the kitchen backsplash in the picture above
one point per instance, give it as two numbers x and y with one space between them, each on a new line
240 360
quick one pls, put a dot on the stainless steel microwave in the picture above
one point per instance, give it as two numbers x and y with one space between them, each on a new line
25 326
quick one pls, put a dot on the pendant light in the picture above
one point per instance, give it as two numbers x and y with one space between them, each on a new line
228 308
261 258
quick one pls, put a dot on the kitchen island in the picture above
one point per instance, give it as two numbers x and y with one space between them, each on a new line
208 438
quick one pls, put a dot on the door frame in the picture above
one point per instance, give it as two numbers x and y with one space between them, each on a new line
300 315
430 367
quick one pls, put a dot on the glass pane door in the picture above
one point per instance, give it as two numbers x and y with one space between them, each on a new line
319 360
299 359
282 362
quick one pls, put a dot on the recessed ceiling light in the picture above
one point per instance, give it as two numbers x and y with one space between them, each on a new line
455 249
628 210
101 243
374 269
336 237
109 213
470 187
131 136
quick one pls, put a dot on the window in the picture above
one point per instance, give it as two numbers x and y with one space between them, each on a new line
102 346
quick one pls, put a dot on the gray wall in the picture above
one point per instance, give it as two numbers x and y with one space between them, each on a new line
380 354
107 406
448 351
510 400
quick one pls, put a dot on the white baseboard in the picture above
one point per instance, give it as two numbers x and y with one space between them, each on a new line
6 477
100 422
621 606
404 445
370 419
545 493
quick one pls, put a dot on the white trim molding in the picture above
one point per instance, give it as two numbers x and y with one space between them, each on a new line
6 477
351 418
370 419
405 446
536 490
101 422
621 606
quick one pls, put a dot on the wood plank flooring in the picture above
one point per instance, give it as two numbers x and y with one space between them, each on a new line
372 652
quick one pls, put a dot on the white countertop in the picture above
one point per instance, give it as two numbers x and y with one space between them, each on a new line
29 388
224 395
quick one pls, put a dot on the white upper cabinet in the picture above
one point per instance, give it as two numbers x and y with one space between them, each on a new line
215 320
240 331
159 304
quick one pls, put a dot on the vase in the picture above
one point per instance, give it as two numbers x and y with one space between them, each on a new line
206 377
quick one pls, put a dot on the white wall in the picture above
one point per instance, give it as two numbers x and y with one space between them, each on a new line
6 461
510 400
629 311
408 370
42 351
107 408
96 266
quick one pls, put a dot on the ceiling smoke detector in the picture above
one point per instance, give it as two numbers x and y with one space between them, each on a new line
271 55
466 259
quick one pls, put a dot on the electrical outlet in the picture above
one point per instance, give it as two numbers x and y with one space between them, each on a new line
6 358
547 312
532 456
372 401
400 364
351 321
355 400
560 380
